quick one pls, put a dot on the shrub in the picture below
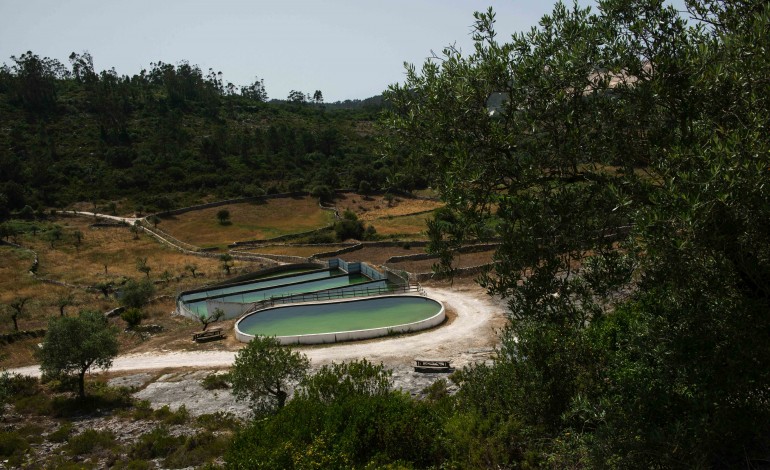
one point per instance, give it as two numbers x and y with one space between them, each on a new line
11 443
348 228
323 192
321 238
134 465
166 416
223 215
62 434
90 440
100 397
218 421
18 385
142 410
136 294
156 443
132 317
215 382
196 450
39 404
32 432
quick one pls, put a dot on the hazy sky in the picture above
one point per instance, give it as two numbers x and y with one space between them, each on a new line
345 48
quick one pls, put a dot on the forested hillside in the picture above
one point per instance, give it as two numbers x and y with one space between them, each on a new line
166 136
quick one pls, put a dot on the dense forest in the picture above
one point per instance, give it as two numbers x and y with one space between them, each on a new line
622 157
168 136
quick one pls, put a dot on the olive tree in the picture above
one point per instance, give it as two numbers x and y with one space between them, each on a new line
207 319
76 344
263 372
223 215
136 294
16 310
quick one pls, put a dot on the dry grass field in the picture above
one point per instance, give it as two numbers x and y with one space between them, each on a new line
248 221
83 266
372 208
115 248
412 226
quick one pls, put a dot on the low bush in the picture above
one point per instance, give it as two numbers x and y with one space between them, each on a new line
40 405
132 316
12 444
137 464
154 444
166 416
218 421
90 440
197 450
215 382
32 432
62 434
321 238
141 410
100 397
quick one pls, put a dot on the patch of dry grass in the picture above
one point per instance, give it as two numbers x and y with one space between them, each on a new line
116 248
376 207
414 226
248 221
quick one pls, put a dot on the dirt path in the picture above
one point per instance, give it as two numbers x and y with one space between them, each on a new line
128 220
469 337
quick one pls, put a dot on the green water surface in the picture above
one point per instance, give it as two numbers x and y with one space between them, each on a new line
339 316
300 288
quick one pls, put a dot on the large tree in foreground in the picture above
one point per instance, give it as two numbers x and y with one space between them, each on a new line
263 372
76 344
648 350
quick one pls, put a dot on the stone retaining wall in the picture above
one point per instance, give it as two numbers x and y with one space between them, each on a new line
9 338
420 277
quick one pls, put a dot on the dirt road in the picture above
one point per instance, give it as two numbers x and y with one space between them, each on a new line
475 326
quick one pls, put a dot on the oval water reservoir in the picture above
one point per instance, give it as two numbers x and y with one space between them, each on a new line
347 320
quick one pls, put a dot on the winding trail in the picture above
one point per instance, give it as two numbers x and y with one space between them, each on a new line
128 220
475 326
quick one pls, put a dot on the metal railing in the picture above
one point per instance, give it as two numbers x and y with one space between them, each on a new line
333 295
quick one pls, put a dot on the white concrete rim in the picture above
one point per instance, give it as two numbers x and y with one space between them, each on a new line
351 335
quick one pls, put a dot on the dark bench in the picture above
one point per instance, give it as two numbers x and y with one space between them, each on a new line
432 365
208 335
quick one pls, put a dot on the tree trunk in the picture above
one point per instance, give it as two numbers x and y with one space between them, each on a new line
82 384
